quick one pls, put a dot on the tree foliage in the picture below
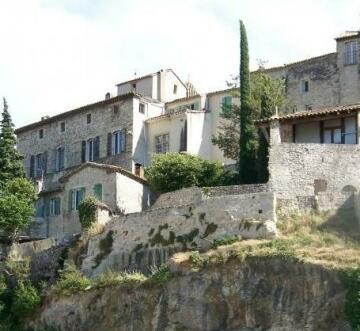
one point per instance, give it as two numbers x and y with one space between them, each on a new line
87 212
172 171
11 165
16 206
248 139
259 100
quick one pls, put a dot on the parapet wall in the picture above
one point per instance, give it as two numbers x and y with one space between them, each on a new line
320 176
196 194
141 240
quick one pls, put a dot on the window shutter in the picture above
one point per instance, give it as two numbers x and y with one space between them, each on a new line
45 154
71 193
32 166
123 140
83 151
57 206
97 148
56 160
109 144
46 207
98 191
62 159
82 194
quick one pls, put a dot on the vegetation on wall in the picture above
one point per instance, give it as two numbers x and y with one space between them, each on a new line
173 171
87 212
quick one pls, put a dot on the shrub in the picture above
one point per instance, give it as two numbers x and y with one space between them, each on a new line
25 299
225 241
173 171
71 281
160 275
351 278
87 211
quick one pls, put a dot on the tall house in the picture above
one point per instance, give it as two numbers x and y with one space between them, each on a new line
327 80
163 85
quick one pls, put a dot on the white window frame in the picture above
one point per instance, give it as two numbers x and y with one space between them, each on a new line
118 142
75 196
162 143
350 53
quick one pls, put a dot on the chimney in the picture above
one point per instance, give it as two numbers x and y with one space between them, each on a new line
107 96
43 118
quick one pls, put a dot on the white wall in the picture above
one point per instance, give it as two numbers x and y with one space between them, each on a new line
144 87
131 196
170 81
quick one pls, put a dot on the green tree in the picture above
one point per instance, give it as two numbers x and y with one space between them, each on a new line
11 165
248 136
16 206
267 94
172 171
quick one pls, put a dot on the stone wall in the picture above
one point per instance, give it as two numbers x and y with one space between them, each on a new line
196 194
140 240
320 176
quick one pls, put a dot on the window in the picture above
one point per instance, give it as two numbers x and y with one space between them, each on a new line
305 86
60 159
115 109
350 56
41 160
90 149
226 102
88 118
162 143
134 87
41 133
138 169
118 142
141 108
308 107
62 127
76 196
55 206
175 89
332 131
98 191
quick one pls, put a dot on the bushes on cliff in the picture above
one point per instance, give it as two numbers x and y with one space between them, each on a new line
173 171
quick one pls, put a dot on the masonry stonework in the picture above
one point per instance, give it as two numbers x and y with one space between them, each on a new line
142 240
320 176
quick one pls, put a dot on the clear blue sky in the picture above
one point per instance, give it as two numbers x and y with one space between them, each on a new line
57 55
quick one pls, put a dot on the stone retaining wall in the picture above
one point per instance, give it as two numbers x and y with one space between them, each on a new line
142 240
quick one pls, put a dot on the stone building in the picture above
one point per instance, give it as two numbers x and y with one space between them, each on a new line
156 113
327 80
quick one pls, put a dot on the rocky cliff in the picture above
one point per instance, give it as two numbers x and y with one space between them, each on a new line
260 293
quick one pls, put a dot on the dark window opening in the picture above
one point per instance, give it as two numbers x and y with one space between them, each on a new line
62 126
141 108
88 118
41 133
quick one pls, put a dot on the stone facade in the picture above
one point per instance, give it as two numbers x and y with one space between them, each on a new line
320 176
330 81
142 240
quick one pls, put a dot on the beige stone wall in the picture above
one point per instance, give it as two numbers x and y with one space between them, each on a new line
104 120
144 239
306 176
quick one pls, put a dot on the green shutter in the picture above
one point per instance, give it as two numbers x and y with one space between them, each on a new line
227 101
57 206
98 191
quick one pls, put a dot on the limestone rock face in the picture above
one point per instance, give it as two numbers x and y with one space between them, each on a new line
259 294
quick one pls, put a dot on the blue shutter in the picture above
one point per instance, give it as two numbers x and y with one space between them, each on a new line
123 140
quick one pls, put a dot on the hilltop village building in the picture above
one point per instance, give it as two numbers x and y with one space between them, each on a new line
102 148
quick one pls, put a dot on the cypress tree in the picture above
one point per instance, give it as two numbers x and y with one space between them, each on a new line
247 154
263 148
11 165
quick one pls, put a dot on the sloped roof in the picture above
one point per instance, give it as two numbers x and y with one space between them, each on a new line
338 110
61 116
107 167
348 34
